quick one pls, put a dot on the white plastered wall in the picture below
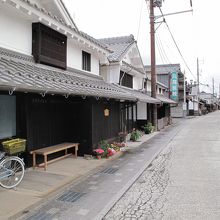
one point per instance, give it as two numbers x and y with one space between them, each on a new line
16 32
16 35
138 82
111 73
74 58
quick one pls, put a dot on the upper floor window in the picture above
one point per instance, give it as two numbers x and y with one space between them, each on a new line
86 61
48 46
126 80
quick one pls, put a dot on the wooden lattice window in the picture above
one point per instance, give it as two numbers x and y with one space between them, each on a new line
48 46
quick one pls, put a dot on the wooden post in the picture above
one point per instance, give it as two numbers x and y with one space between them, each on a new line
45 162
34 160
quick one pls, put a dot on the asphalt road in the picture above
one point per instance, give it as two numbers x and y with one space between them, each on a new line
183 182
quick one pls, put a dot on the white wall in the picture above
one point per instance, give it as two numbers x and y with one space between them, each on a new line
16 35
137 82
94 64
104 72
111 73
114 74
191 106
15 32
196 106
148 86
74 58
141 111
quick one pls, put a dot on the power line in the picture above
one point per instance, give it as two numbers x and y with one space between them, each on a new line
160 51
162 48
139 23
178 49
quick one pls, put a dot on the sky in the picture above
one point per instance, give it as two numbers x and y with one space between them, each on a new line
196 33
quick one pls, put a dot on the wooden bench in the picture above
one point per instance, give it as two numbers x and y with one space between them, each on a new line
53 149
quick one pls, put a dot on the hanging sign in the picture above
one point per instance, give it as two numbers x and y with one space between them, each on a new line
106 112
174 86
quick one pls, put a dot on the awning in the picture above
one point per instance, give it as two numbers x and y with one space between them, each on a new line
141 96
20 73
164 99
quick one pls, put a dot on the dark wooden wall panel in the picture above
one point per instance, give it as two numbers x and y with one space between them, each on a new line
53 120
105 127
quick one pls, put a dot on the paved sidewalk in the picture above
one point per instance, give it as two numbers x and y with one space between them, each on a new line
107 183
37 184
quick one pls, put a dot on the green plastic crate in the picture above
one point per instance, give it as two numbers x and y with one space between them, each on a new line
14 146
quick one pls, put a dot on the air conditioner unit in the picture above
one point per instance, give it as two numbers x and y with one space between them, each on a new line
157 3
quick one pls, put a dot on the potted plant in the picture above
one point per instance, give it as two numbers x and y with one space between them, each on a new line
148 128
99 152
122 136
135 135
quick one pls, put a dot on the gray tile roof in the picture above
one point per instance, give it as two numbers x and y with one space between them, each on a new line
61 21
164 99
141 96
22 74
119 46
132 67
164 68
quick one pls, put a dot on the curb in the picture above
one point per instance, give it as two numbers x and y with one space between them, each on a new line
107 208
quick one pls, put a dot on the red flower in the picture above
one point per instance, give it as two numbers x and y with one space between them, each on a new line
99 151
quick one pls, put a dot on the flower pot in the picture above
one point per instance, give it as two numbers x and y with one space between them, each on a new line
98 157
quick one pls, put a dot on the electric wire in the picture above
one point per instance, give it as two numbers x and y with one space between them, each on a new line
139 23
162 48
178 49
159 50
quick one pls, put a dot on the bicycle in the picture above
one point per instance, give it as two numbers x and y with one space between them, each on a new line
11 171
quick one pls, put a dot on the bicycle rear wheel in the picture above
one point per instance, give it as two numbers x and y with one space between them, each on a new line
16 166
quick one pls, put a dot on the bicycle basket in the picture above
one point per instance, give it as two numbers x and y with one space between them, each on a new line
14 146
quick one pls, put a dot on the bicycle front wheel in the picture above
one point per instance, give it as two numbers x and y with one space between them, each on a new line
15 167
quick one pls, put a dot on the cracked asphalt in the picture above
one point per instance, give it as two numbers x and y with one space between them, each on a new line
183 182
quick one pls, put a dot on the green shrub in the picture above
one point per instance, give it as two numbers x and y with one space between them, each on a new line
135 135
148 128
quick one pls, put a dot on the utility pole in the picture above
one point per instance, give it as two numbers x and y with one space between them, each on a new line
184 94
213 87
153 62
219 92
198 75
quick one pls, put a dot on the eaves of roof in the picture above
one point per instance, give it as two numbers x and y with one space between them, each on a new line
63 23
161 84
164 99
141 96
119 46
70 17
132 67
18 73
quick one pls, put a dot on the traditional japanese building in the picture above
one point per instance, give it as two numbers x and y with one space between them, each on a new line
51 90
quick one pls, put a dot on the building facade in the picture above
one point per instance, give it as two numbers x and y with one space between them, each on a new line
51 90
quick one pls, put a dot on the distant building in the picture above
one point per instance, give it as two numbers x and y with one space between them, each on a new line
172 78
162 89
